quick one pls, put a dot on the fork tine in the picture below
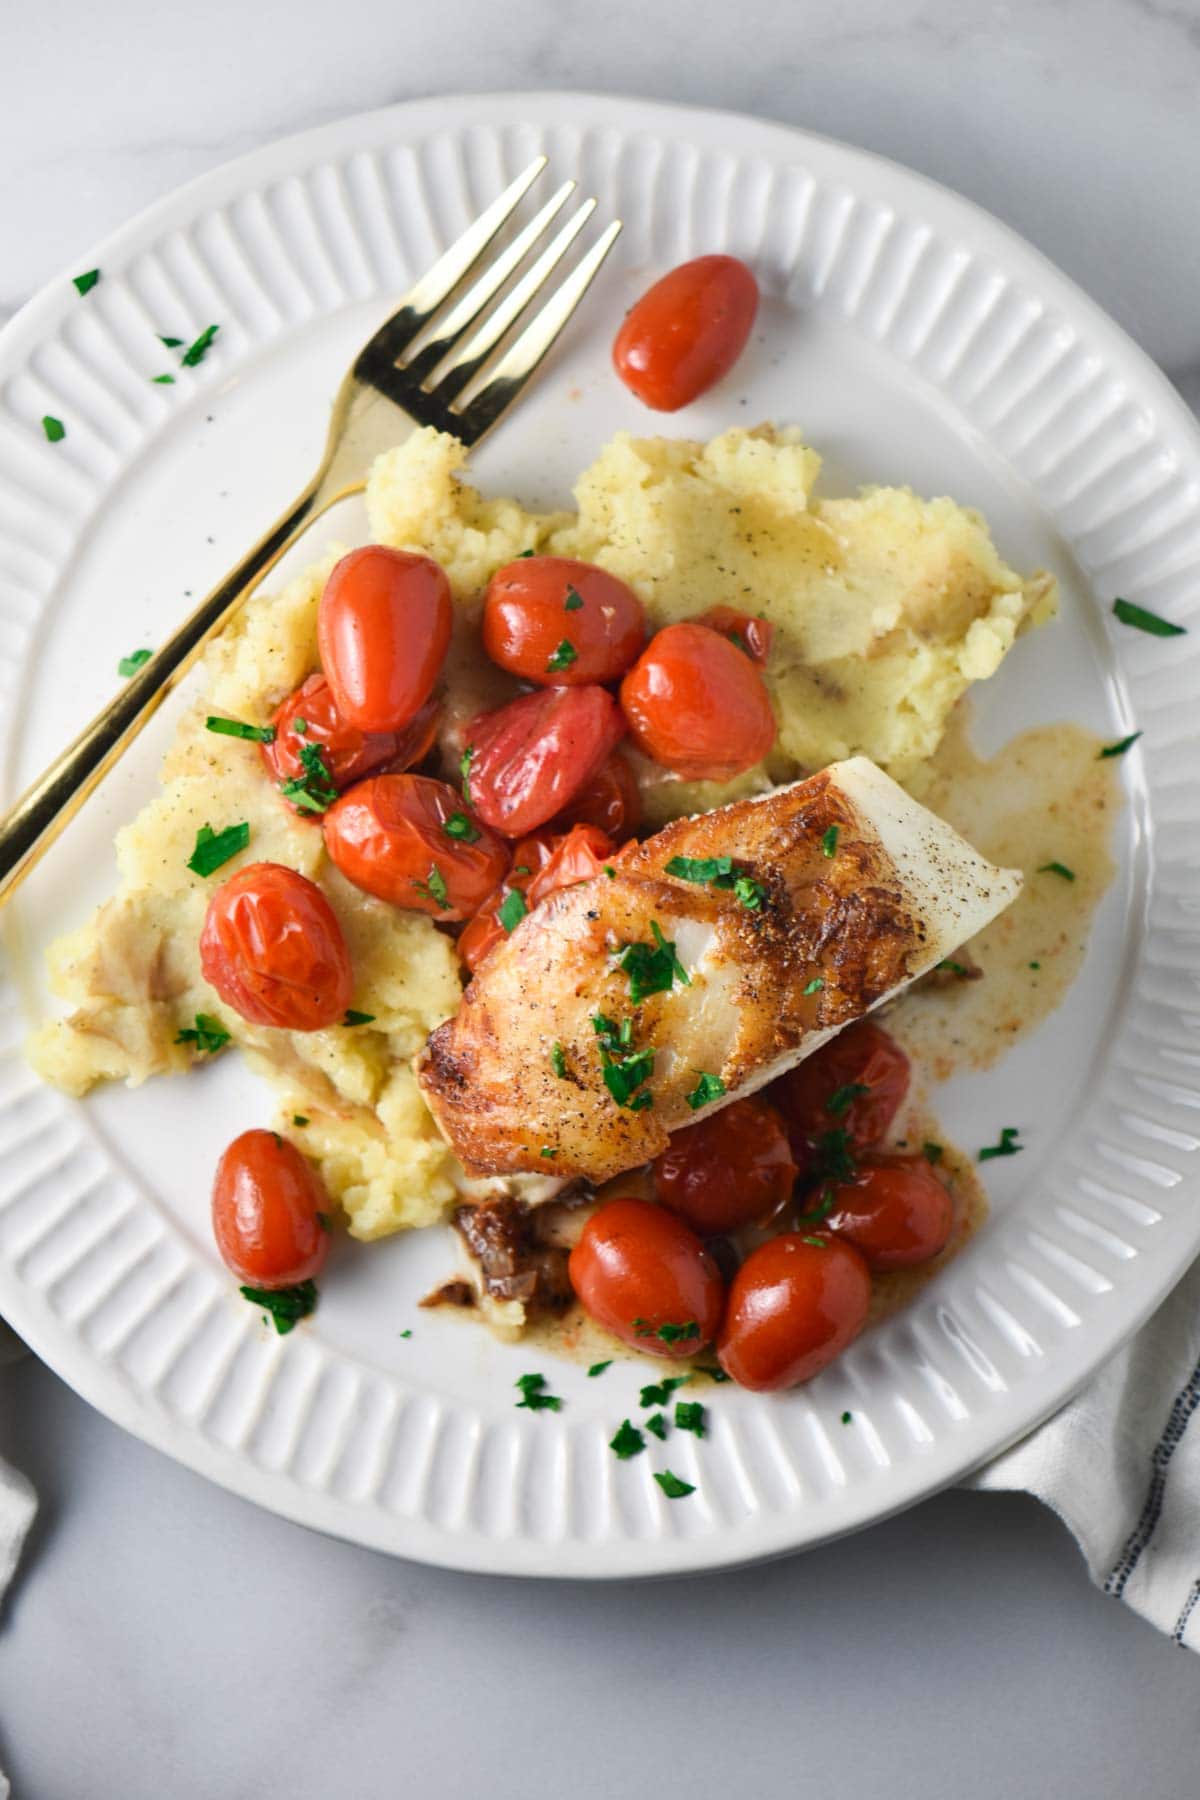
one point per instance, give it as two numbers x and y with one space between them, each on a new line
484 288
436 285
526 351
470 356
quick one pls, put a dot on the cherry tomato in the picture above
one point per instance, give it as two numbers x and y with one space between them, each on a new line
577 856
698 705
730 1169
532 757
746 632
265 1205
485 930
347 753
408 839
383 629
855 1083
611 800
895 1211
561 622
794 1305
641 1273
687 331
274 951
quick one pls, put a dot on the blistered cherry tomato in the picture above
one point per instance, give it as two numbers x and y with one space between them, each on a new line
577 856
895 1211
347 753
561 622
698 705
640 1272
687 331
752 635
383 629
408 839
855 1083
730 1169
611 800
274 951
529 759
794 1305
486 930
266 1207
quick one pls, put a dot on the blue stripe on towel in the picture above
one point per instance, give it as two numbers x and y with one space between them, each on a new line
1181 1623
1183 1406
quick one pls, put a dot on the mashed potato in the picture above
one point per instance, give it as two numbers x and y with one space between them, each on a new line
885 608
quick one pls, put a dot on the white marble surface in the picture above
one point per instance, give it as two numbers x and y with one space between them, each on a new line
167 1638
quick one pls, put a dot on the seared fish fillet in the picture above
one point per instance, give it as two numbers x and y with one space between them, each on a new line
558 1062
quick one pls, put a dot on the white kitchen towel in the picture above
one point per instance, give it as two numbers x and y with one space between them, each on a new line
1121 1468
18 1502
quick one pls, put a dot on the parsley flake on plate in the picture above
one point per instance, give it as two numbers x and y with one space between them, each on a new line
562 657
599 1368
512 909
843 1098
667 1334
829 841
1120 747
547 1150
846 1418
299 1119
533 1398
652 968
672 1486
706 1090
285 1306
459 826
215 848
434 888
815 985
751 893
689 1416
86 282
933 1153
358 1018
464 769
313 791
1057 868
207 1034
574 599
658 1393
713 1371
163 380
718 872
54 429
1144 620
558 1061
623 1068
237 728
628 1441
199 348
657 1424
129 665
1008 1145
171 343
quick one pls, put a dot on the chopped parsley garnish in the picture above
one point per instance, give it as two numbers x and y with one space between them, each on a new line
299 1119
208 1035
689 1416
599 1368
129 665
532 1397
434 888
623 1067
522 869
512 909
815 985
86 282
1138 616
835 1156
713 1371
658 1425
171 343
313 791
213 848
953 968
933 1153
464 769
1057 868
816 1242
299 726
829 841
672 1486
846 1418
1008 1145
820 1211
718 872
1120 747
256 734
522 554
358 1018
54 429
574 599
547 1150
610 871
406 1334
628 1441
1035 965
843 1098
658 1393
200 347
558 1061
706 1090
163 380
669 1334
459 826
286 1306
652 968
562 657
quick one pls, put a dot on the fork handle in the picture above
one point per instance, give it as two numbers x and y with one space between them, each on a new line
34 821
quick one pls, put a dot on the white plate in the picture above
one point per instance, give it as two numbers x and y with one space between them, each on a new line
915 340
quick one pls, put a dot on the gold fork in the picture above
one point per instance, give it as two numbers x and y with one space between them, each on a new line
401 378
